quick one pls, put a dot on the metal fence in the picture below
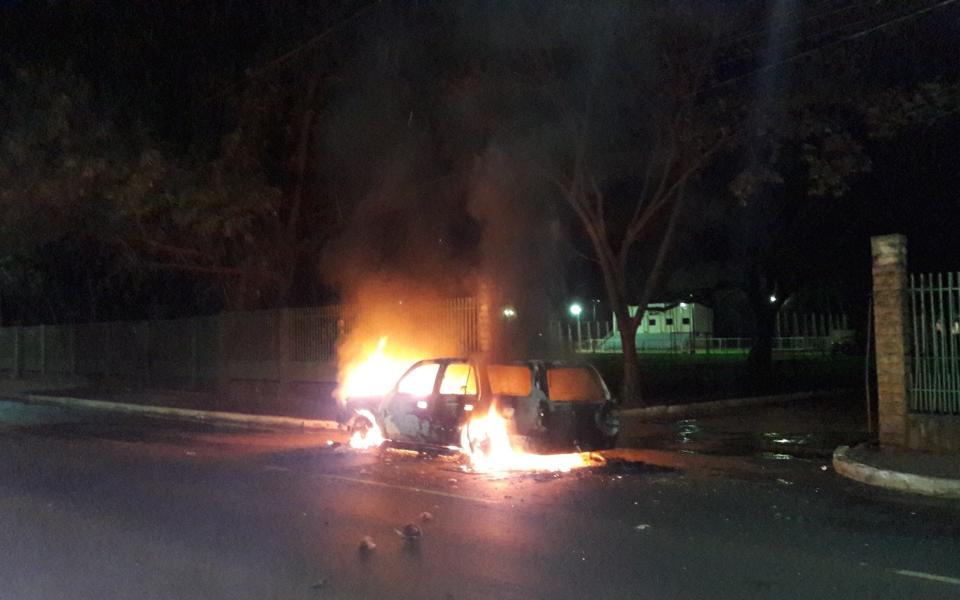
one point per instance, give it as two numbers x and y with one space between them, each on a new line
598 337
935 326
275 345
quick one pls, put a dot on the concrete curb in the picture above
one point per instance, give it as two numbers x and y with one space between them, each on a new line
185 414
699 408
893 480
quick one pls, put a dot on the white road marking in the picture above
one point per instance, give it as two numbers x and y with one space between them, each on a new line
928 576
411 489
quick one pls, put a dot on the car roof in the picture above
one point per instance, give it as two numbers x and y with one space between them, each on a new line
555 363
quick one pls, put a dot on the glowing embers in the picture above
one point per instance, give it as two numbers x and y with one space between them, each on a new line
485 441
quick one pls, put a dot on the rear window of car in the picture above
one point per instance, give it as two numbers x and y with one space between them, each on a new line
510 380
573 384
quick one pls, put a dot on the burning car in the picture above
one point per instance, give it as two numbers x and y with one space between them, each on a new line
545 404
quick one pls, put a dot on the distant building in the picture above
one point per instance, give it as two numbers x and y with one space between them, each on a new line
670 325
682 317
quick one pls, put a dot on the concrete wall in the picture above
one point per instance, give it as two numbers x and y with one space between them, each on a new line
937 433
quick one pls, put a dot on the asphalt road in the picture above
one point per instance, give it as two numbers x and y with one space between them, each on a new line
101 507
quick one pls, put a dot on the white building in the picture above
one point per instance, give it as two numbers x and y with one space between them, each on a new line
667 326
673 317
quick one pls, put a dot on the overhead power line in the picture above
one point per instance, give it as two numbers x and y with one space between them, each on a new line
847 38
253 73
311 43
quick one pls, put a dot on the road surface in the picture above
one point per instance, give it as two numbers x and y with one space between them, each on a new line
100 507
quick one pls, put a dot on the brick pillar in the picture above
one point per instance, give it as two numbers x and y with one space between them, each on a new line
890 331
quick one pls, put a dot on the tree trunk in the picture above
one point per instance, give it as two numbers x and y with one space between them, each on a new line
760 359
630 385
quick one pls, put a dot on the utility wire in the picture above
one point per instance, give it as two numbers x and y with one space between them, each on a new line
310 43
843 40
764 30
252 74
815 38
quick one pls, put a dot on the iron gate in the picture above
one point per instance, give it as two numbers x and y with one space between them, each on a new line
935 366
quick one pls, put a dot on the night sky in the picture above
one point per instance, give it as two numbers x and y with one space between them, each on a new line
171 159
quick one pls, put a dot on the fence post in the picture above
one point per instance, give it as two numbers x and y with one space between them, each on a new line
194 351
222 363
147 343
73 350
284 342
43 350
890 331
17 352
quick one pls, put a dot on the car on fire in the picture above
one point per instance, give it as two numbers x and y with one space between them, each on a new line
547 404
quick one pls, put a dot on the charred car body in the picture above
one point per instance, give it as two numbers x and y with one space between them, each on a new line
547 404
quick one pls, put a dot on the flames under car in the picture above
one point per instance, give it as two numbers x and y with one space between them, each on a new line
548 405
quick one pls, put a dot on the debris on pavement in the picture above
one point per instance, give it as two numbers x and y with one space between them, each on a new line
426 516
784 481
642 526
410 532
320 583
367 545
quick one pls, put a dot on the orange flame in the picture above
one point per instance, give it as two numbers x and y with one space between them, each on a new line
375 373
366 432
486 442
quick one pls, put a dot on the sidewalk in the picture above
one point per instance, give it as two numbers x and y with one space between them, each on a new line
284 413
900 469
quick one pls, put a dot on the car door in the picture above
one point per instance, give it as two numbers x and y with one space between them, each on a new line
405 412
454 402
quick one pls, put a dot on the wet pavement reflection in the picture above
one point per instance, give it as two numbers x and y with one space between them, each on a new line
810 430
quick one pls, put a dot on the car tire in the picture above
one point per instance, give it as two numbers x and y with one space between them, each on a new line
359 424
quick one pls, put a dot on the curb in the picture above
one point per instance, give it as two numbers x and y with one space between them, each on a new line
893 480
697 408
185 414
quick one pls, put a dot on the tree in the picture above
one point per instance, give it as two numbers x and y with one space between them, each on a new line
807 153
633 158
61 160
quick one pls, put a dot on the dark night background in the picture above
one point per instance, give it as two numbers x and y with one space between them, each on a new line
180 158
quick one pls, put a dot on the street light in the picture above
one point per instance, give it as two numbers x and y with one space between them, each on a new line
773 298
576 310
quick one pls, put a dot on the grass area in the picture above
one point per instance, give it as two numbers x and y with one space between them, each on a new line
675 378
